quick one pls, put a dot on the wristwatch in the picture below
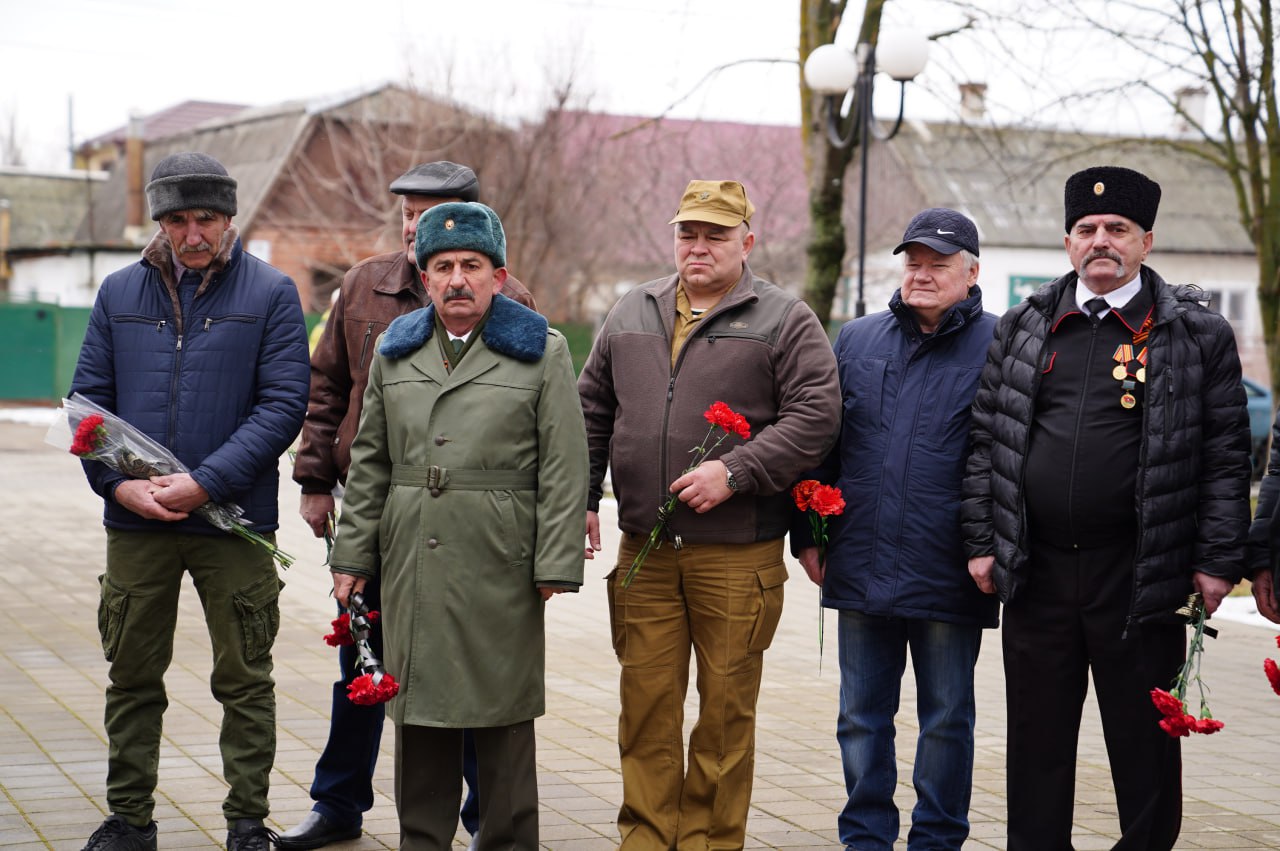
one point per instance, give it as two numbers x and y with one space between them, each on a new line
730 481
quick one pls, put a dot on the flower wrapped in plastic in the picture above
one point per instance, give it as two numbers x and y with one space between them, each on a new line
96 434
374 685
721 417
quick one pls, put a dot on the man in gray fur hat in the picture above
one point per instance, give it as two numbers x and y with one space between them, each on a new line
202 347
374 292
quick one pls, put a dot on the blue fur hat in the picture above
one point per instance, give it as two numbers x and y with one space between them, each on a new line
460 226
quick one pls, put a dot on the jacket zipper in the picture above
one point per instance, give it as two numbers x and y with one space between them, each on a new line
364 348
1075 437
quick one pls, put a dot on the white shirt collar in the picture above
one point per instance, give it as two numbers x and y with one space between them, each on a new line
1115 299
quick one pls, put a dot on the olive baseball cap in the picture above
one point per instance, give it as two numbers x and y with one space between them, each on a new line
720 202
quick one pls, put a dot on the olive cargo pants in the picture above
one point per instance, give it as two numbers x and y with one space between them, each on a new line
239 592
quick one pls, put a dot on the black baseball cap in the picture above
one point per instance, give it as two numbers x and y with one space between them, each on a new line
943 230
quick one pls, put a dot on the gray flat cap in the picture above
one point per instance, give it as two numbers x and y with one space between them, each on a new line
441 179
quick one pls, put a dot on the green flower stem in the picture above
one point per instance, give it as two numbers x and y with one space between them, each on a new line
700 453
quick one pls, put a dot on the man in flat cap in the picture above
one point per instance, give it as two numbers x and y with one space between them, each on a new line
374 292
227 398
669 349
895 568
466 494
1109 480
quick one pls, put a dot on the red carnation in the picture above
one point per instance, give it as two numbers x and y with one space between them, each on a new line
720 414
365 692
88 436
341 635
1273 674
803 492
826 501
1169 706
1208 726
1178 725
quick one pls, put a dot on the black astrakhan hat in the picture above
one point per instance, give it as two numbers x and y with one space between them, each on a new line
1111 189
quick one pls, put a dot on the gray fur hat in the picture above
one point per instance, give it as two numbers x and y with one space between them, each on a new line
460 226
190 181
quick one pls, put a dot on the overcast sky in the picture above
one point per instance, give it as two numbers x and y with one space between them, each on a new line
628 56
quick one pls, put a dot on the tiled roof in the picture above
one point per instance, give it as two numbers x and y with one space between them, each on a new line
174 119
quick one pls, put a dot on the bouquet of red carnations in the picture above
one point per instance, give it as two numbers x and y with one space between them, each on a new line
374 685
721 417
1174 717
96 434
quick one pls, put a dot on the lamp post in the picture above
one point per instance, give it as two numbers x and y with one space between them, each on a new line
839 74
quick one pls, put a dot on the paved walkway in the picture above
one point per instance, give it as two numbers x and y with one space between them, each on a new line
52 675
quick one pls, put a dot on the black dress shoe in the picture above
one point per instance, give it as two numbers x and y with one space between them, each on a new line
315 831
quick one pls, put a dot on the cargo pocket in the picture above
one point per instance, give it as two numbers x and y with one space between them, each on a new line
771 579
258 606
112 606
616 630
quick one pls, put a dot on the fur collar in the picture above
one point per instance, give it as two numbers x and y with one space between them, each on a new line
512 330
159 253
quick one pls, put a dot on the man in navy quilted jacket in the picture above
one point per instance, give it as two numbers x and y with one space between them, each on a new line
203 348
896 570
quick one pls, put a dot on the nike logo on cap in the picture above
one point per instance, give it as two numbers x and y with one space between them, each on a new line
942 232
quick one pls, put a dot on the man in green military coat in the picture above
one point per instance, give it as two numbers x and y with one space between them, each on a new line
466 496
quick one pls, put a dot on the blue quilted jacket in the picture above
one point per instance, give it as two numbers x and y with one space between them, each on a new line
223 387
896 550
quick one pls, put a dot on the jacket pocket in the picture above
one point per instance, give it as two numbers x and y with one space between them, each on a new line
510 528
771 580
113 605
951 394
863 380
258 606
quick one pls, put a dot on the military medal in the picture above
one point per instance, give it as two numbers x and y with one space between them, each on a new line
1123 356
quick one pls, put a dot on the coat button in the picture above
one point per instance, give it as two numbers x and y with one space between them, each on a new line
441 440
432 543
435 491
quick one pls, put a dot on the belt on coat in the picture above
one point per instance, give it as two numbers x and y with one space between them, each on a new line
437 479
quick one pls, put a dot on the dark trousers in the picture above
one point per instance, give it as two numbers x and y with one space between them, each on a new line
1068 620
428 765
343 784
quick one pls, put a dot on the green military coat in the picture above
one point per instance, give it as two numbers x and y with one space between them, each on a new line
465 490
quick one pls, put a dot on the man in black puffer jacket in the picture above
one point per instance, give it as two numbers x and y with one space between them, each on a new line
1109 479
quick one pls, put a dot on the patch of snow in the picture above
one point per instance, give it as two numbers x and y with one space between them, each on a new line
1244 610
29 416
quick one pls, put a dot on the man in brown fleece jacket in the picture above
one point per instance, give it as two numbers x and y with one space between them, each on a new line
668 350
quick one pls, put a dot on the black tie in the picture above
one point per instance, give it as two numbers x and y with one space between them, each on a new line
1096 306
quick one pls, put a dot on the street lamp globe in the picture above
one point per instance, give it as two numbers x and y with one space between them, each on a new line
830 70
901 54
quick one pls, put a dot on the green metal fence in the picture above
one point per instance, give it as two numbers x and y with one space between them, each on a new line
39 345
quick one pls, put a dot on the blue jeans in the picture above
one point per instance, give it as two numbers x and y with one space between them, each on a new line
343 784
873 654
